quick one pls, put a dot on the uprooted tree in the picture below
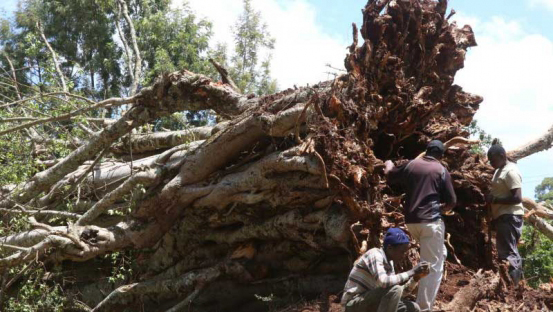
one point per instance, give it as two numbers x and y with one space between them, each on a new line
280 197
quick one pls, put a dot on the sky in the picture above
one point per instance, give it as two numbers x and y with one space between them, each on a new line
511 67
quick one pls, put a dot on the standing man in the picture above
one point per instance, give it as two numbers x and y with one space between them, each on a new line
506 209
429 190
372 284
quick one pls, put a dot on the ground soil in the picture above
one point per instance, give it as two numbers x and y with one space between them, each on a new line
515 299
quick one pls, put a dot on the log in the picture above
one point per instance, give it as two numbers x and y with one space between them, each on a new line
482 285
143 143
276 188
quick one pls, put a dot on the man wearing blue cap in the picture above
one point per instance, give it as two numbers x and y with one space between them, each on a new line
372 284
429 192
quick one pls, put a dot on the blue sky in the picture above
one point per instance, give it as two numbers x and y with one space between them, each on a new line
8 6
511 67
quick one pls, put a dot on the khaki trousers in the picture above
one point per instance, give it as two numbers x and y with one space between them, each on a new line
431 239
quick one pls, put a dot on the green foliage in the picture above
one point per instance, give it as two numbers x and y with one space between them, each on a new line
267 85
251 37
538 249
16 165
86 48
172 39
478 133
85 37
544 191
123 266
537 253
37 295
177 121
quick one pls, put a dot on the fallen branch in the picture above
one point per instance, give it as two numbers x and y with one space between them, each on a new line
541 225
109 102
160 140
482 285
225 77
36 251
129 294
42 213
181 306
14 78
144 177
536 209
50 94
542 143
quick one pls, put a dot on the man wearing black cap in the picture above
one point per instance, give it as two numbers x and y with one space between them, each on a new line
429 191
506 209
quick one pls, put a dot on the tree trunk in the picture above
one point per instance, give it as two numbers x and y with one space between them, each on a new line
282 197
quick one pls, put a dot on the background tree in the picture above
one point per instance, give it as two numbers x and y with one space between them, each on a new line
537 250
251 40
544 191
481 135
84 36
275 202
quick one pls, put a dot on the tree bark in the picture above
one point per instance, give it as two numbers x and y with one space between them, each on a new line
542 143
137 58
482 285
61 76
290 189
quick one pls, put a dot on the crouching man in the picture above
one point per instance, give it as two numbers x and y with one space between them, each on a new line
372 283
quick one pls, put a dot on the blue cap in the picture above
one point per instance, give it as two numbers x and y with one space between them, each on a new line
395 236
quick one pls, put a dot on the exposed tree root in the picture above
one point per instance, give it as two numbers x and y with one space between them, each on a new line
290 188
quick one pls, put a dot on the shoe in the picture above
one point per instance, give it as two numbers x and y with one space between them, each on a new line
516 275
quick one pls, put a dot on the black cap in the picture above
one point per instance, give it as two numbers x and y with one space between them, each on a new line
496 149
437 145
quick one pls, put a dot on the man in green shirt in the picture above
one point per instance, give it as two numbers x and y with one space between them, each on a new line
506 209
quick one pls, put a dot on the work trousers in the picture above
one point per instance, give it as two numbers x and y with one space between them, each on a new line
381 300
509 229
432 250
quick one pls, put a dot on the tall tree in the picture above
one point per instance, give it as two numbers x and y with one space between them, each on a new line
251 39
544 191
172 39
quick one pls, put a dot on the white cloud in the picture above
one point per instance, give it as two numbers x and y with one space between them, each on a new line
547 3
302 48
512 70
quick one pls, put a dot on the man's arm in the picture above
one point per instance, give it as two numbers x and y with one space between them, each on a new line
514 182
514 199
393 173
383 280
449 196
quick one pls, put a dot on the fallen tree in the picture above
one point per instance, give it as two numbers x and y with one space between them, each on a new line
280 198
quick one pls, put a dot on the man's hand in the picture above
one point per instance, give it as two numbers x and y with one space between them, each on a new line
388 165
421 270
